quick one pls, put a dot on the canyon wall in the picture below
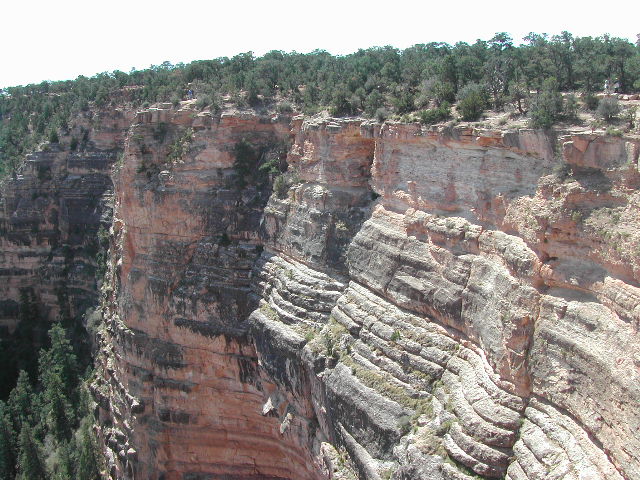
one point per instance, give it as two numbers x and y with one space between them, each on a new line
50 213
407 303
55 212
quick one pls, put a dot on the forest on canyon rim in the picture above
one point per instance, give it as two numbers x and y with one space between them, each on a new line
382 82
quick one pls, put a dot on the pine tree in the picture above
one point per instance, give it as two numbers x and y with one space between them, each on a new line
21 402
59 365
30 463
88 455
7 445
65 466
59 416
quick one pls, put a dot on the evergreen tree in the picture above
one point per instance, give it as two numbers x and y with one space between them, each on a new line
59 417
30 462
7 445
21 402
472 100
58 366
64 468
546 107
89 459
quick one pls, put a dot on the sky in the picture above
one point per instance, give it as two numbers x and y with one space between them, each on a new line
59 40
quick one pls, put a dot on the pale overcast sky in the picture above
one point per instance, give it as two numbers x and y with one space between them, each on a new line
59 40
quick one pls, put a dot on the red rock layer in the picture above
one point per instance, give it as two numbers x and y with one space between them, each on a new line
183 395
435 304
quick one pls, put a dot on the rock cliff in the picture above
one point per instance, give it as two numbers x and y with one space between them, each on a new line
51 213
408 303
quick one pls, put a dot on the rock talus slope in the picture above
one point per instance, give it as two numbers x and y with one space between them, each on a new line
418 304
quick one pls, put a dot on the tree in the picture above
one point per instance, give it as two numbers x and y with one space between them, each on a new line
64 467
58 416
30 463
517 95
538 65
7 445
608 109
472 100
20 401
546 107
373 101
89 458
562 52
499 67
58 365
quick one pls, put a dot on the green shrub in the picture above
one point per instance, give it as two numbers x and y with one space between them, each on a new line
224 240
437 90
381 114
629 116
518 94
403 102
435 115
340 104
373 102
203 101
443 92
245 162
256 164
284 107
472 100
280 186
181 146
571 107
546 107
608 109
590 101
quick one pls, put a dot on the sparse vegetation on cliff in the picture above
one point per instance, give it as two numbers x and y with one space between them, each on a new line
256 164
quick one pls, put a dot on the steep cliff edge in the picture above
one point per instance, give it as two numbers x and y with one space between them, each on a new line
408 303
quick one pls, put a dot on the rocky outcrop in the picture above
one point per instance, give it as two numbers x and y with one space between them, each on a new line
407 303
480 322
183 393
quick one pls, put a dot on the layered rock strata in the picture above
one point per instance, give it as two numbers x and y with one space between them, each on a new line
51 211
413 304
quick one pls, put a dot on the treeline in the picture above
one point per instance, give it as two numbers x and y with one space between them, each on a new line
46 423
378 81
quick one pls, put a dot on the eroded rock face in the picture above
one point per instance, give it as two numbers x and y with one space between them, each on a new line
51 211
486 317
183 388
419 304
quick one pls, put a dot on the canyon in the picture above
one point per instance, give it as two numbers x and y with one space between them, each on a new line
406 302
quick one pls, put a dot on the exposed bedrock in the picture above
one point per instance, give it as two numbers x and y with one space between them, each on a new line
55 212
183 395
419 304
484 258
50 212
